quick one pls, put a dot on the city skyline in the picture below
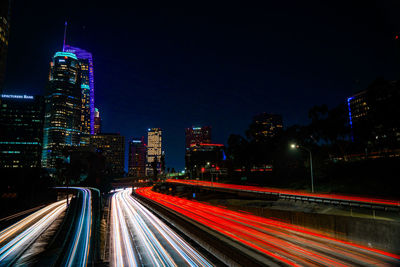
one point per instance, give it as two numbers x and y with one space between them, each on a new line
261 79
201 135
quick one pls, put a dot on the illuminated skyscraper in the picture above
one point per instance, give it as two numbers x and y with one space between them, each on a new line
4 35
197 135
97 121
87 86
137 157
62 126
154 149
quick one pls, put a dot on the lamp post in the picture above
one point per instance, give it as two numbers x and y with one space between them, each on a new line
294 146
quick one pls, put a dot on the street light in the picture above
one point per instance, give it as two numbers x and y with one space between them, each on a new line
295 146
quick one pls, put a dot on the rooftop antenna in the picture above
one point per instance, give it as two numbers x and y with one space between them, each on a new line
65 34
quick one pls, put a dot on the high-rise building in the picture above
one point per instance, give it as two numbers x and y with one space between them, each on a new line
62 126
113 148
197 135
154 149
266 125
21 131
87 86
374 115
97 121
137 157
5 6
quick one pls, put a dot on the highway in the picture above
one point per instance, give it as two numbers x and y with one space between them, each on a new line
78 249
283 243
139 238
294 193
17 238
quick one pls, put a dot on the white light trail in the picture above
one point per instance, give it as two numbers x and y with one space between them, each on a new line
79 249
156 243
28 230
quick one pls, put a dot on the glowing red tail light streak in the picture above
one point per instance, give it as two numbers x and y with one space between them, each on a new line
366 200
286 243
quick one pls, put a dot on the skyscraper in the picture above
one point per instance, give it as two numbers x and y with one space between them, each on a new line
154 149
113 148
137 157
87 86
4 36
62 126
21 134
97 121
197 135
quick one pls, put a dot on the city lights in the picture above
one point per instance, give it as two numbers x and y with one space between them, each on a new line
260 134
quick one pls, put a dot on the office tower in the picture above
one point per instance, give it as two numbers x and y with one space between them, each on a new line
62 126
266 125
137 157
87 86
112 145
21 124
5 6
197 135
154 149
97 121
358 107
374 115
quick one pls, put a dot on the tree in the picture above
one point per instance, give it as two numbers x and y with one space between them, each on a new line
329 128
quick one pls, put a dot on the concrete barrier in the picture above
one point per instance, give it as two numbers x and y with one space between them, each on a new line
374 233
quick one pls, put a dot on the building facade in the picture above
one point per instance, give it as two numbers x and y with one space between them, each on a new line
112 146
97 121
21 131
87 87
137 157
154 150
374 115
62 124
197 135
5 6
266 125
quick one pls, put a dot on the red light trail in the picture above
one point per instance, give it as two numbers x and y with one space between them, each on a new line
365 200
283 242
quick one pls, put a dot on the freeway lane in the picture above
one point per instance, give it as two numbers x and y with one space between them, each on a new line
366 200
17 238
79 249
282 242
139 238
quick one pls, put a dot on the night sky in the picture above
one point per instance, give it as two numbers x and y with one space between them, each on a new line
208 64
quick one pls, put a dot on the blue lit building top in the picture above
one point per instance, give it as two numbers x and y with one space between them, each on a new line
66 54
